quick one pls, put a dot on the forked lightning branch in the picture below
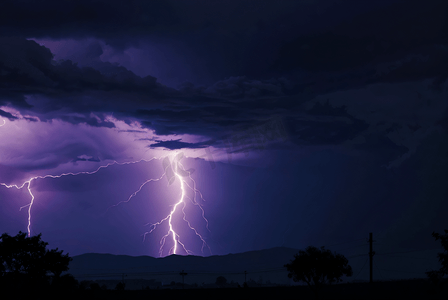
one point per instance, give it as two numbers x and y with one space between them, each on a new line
172 170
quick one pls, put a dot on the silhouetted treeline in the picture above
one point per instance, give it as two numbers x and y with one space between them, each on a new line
440 277
29 270
26 264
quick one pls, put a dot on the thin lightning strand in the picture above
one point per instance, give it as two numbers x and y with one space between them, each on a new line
137 191
174 235
171 232
4 122
202 211
194 199
28 228
204 243
28 184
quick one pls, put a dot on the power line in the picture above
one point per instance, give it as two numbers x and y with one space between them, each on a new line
378 270
401 271
403 252
353 256
391 255
342 243
361 268
270 270
360 245
388 244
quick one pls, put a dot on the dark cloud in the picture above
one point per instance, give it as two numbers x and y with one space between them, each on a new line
95 122
81 18
428 63
324 132
236 37
131 130
216 111
443 122
86 158
32 119
324 52
27 67
282 64
381 145
326 109
383 34
177 144
7 115
243 87
336 92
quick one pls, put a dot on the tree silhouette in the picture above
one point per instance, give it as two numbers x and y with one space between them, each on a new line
95 286
84 284
119 286
317 267
221 281
438 276
26 260
66 283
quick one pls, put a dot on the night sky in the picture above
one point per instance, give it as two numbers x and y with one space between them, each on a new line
308 122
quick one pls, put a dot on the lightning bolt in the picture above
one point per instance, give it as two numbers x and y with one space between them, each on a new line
28 182
4 122
179 172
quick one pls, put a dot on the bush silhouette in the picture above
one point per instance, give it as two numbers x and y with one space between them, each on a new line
66 283
94 286
221 281
317 267
84 284
438 276
26 261
119 286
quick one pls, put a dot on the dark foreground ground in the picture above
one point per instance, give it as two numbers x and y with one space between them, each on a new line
410 289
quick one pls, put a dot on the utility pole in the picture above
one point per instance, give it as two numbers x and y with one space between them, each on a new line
371 254
183 274
245 273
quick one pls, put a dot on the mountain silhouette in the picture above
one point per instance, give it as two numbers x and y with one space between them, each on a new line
262 266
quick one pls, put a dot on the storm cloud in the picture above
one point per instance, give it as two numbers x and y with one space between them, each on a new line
306 122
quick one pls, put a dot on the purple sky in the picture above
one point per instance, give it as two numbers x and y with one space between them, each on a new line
303 123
